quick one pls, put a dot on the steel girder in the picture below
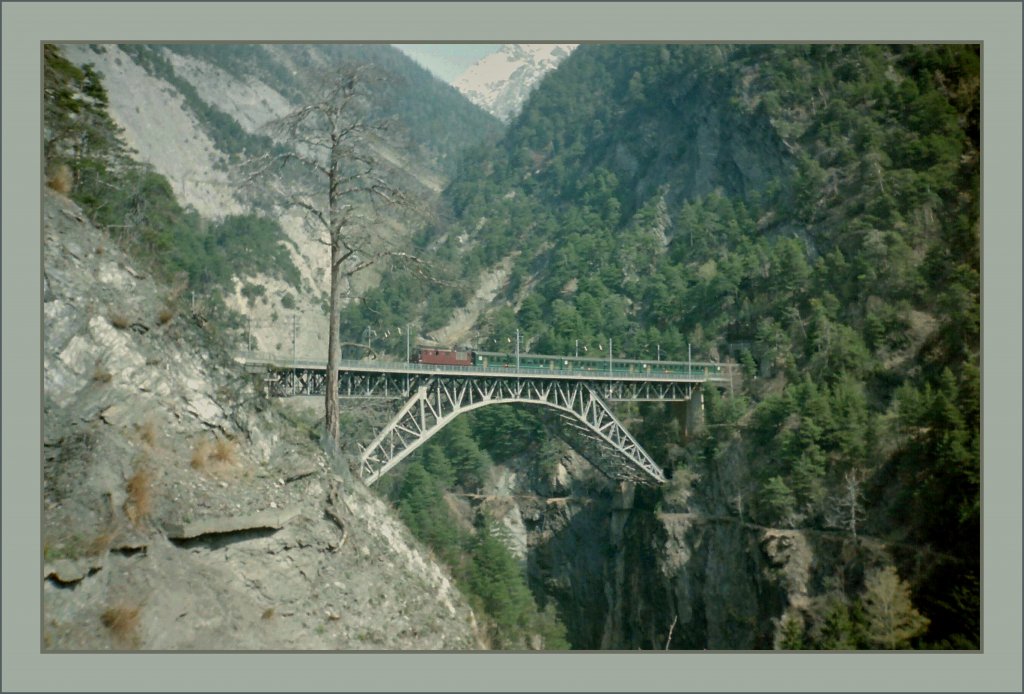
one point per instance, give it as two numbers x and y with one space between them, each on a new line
387 385
437 400
433 400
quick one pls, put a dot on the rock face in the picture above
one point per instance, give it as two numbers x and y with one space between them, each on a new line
165 130
625 576
183 511
162 129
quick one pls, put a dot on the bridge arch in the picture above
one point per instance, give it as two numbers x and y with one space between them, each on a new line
437 401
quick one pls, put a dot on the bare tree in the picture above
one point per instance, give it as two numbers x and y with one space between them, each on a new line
337 178
893 621
847 507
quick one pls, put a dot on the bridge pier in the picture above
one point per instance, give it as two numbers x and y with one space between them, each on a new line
694 423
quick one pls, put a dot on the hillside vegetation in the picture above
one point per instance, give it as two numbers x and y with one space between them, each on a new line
811 212
435 118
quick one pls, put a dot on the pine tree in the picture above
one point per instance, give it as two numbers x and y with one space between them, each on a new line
836 629
789 636
497 579
778 499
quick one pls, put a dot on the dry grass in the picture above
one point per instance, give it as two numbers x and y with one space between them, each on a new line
119 320
201 455
123 621
217 458
102 543
166 315
224 451
139 504
148 432
61 180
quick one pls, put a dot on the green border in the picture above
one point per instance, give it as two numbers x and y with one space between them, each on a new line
997 24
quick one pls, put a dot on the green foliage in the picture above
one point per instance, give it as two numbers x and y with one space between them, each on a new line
480 560
790 633
77 130
252 291
137 206
892 620
421 506
778 500
835 626
843 260
506 432
497 580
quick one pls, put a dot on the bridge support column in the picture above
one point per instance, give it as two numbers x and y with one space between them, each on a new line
695 413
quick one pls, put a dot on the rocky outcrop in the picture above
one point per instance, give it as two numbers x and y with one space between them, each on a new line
182 511
159 126
625 575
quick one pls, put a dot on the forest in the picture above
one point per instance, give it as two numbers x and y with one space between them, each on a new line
809 212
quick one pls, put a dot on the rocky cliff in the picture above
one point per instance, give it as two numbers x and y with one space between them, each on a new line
182 511
688 571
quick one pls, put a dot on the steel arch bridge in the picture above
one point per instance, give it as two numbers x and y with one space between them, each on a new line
434 395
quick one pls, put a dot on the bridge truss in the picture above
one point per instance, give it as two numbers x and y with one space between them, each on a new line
431 401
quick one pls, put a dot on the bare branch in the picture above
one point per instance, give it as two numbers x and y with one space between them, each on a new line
335 145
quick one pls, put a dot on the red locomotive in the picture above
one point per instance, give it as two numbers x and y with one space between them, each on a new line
444 357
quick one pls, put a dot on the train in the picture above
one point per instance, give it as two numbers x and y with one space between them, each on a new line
467 357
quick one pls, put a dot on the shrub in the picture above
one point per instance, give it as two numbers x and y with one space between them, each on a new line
123 621
217 458
60 179
251 292
139 503
166 314
148 432
119 320
224 451
101 375
201 455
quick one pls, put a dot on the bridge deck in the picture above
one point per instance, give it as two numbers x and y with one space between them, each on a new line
697 372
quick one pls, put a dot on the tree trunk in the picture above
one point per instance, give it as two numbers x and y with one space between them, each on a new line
331 407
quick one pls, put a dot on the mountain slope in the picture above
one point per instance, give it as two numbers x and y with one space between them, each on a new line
811 212
195 112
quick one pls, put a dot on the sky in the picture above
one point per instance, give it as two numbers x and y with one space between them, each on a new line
447 60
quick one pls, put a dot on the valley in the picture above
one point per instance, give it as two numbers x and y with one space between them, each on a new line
807 217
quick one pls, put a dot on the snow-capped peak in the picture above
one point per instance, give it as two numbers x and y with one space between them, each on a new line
500 82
